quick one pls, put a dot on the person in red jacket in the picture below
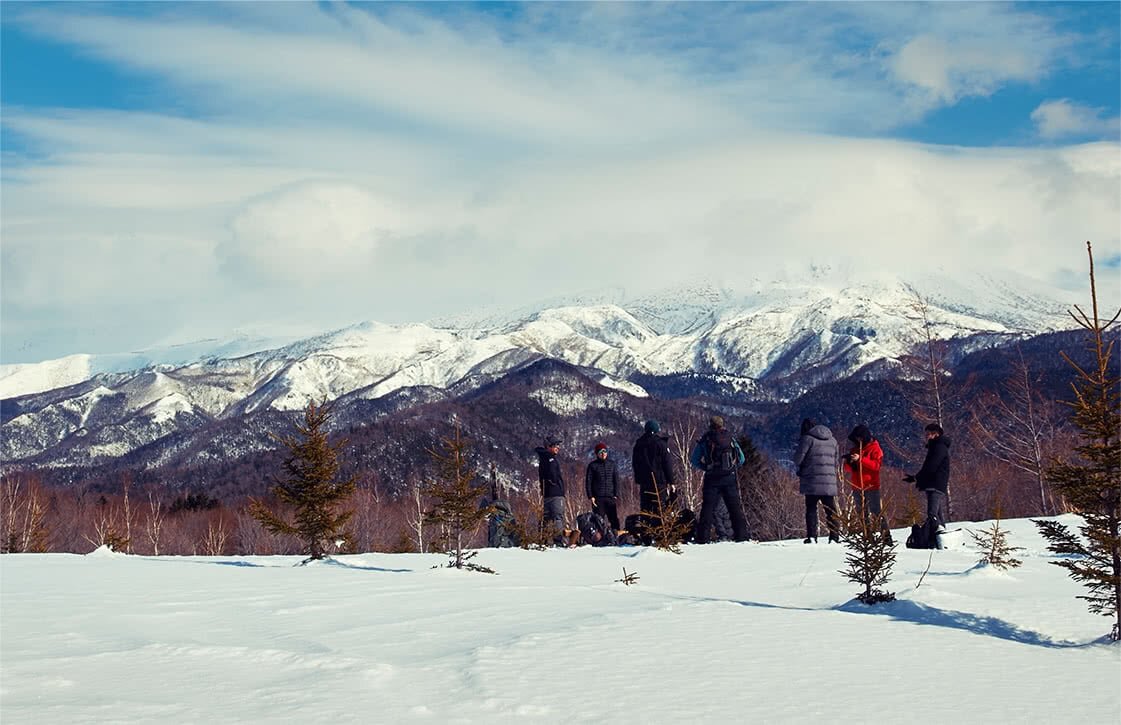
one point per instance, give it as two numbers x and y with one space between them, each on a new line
862 465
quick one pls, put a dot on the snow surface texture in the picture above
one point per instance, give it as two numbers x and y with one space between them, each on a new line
752 632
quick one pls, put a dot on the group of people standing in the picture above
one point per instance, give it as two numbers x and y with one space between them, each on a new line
718 455
817 463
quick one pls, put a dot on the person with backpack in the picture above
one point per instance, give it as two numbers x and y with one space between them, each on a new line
718 455
502 526
816 462
552 489
596 530
653 473
601 484
862 465
933 479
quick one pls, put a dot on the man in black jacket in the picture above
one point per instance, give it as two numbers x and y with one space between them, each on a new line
601 484
552 488
933 478
652 472
718 454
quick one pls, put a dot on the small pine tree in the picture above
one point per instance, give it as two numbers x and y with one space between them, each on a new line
1092 485
455 501
869 556
994 547
309 486
666 529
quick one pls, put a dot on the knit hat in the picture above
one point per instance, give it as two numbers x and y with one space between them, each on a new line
551 441
861 434
934 428
601 446
652 426
716 422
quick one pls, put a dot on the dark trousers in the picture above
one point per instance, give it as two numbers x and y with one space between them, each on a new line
605 506
868 504
552 517
830 505
648 507
935 507
721 488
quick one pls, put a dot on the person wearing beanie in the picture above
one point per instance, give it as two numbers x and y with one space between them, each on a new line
601 484
933 479
862 467
552 489
718 454
653 474
816 462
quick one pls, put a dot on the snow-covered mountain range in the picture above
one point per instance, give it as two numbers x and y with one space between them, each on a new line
775 340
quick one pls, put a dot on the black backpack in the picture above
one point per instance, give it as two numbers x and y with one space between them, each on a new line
720 456
924 535
502 528
595 530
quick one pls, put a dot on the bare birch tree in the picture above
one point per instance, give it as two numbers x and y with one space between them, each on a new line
1017 426
684 436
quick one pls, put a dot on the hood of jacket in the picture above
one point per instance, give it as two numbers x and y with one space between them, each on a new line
820 432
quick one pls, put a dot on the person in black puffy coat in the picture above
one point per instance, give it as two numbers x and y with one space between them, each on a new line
601 484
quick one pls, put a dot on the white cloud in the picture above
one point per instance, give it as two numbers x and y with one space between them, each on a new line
311 234
345 164
1064 118
950 69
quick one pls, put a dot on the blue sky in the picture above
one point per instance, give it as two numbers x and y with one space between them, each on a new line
179 170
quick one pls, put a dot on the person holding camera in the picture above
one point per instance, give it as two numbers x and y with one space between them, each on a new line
862 465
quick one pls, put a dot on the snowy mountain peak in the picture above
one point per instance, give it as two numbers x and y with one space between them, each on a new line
773 341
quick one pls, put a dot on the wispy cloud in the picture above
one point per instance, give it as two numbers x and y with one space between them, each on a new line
321 164
1065 119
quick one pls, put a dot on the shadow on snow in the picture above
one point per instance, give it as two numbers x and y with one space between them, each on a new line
923 614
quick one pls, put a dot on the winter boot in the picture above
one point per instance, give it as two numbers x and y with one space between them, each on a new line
809 540
834 538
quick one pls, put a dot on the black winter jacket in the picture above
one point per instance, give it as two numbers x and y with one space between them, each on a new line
602 479
935 471
651 462
549 472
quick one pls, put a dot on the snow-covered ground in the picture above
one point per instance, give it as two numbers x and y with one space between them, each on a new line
752 632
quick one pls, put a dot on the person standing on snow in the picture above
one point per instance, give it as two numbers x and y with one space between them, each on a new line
552 489
601 484
933 478
862 465
816 462
653 473
718 455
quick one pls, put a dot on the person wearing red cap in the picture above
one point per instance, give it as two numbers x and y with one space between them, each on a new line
601 484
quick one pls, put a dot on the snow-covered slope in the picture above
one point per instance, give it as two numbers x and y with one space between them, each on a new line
724 633
755 337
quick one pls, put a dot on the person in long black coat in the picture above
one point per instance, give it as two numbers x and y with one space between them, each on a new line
653 472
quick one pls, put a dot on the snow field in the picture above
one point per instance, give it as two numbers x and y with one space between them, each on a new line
751 632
